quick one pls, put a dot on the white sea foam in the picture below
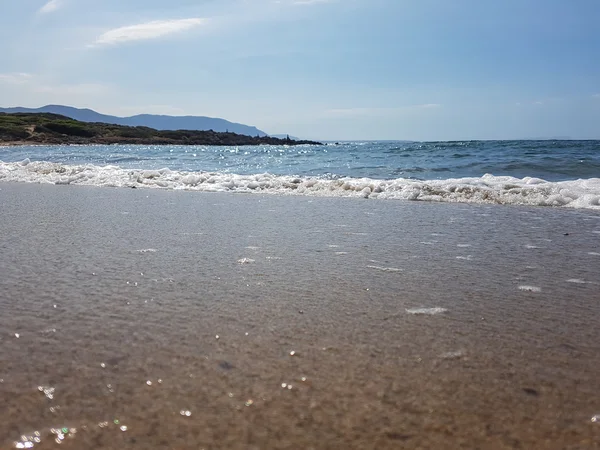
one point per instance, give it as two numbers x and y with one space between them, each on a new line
245 261
426 311
582 193
385 269
458 354
530 288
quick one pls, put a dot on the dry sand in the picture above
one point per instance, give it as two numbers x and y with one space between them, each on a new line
171 320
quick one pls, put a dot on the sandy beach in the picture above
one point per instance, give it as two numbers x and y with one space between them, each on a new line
148 319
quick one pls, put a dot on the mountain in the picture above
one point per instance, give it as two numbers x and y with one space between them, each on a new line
156 122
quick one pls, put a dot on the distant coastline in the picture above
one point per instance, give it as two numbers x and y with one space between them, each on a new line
53 129
158 122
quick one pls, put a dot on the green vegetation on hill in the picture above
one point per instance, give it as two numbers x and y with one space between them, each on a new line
44 128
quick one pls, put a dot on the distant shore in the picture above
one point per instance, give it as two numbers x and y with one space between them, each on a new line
52 129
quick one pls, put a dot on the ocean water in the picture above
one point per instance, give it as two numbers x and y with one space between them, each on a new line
536 173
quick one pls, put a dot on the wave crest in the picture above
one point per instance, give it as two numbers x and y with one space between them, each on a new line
490 189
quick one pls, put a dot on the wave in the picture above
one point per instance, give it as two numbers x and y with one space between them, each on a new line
488 189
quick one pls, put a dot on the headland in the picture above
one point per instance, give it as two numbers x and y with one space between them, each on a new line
54 129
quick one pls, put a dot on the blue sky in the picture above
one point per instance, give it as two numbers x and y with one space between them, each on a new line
324 69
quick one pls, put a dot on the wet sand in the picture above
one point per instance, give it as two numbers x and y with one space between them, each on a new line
172 320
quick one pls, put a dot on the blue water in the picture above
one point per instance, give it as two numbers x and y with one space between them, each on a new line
532 173
548 160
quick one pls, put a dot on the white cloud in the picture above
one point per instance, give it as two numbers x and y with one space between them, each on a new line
51 6
148 30
596 96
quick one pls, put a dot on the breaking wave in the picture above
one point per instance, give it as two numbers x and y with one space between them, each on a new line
489 189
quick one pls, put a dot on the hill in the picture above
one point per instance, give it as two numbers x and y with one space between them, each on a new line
157 122
46 128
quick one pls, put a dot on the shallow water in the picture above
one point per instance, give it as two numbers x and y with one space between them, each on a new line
394 323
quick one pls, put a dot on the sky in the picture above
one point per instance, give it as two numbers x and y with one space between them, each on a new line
317 69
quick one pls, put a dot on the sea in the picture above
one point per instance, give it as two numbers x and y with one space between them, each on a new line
558 173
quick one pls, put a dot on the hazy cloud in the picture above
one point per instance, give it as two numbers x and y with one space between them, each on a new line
596 96
51 6
37 84
15 78
148 30
353 112
67 90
